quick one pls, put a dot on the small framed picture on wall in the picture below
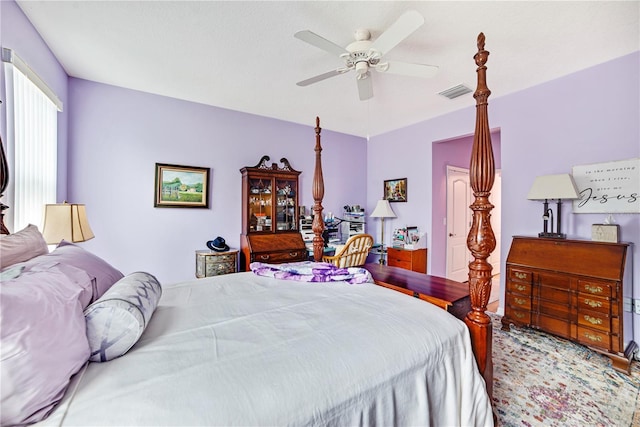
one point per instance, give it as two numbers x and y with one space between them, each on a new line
395 190
181 186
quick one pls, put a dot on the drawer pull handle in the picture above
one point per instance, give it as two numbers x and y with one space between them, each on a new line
521 275
592 303
593 320
593 337
519 315
264 256
520 301
520 287
293 254
593 289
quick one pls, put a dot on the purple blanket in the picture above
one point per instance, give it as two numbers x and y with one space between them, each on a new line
309 271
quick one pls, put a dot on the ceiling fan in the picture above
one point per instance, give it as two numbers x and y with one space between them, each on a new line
363 54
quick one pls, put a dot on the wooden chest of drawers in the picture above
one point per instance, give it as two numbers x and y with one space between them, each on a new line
573 289
211 263
409 259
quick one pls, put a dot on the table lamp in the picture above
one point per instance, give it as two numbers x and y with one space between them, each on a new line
383 210
66 221
547 187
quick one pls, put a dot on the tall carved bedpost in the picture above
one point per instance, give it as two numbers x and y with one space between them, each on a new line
481 240
318 194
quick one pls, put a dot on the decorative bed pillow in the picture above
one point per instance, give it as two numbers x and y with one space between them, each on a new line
116 321
44 343
102 272
21 246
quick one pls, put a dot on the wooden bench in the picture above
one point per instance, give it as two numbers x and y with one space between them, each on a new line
448 294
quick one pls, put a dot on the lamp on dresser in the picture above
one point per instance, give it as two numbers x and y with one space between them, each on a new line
66 221
383 210
549 187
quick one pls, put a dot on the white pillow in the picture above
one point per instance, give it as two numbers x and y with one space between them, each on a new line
21 246
116 321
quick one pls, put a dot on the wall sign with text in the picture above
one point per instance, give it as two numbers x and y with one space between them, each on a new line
612 187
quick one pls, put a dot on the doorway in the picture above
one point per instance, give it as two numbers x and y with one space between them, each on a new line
459 218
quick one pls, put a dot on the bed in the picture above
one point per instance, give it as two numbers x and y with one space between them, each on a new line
303 344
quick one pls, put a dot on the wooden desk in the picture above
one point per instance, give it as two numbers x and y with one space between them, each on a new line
448 294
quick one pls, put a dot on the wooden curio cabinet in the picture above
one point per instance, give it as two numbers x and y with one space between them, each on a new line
270 214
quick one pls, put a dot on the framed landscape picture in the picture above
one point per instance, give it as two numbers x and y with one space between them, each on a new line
181 186
395 190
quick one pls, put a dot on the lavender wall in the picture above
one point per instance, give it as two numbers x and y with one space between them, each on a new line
17 33
587 117
116 137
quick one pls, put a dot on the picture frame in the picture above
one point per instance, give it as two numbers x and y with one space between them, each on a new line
395 190
178 186
412 235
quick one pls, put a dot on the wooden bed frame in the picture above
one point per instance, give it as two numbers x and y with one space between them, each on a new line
481 240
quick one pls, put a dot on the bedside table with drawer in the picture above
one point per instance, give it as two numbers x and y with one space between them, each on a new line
211 263
409 259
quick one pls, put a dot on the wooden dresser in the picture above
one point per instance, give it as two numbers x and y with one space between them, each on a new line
574 289
410 259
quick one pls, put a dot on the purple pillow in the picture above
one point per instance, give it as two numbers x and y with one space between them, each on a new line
66 253
21 246
44 343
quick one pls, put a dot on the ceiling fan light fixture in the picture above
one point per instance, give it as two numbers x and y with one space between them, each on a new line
361 68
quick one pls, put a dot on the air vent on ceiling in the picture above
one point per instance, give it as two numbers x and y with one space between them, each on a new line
455 91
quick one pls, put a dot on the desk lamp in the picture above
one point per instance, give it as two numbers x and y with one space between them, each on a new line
548 187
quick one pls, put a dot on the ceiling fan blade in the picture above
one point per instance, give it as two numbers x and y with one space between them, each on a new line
321 77
320 42
408 69
365 87
398 31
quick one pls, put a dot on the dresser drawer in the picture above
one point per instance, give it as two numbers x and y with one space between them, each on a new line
519 302
592 287
517 275
218 268
280 256
396 255
593 319
518 315
399 263
590 302
519 288
595 338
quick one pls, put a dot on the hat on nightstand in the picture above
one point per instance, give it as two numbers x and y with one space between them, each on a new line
218 245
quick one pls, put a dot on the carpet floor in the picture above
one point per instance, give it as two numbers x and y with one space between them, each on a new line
542 380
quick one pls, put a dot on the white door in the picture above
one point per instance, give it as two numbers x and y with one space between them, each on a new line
459 198
459 218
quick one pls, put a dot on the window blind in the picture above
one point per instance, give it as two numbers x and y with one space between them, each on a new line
32 143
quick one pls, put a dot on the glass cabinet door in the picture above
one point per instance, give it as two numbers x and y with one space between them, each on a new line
260 198
286 205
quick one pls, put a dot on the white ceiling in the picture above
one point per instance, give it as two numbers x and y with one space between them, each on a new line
243 56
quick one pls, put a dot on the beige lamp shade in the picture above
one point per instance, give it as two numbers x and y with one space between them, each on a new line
66 221
548 187
383 210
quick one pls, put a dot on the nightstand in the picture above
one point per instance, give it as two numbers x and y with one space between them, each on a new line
212 263
409 259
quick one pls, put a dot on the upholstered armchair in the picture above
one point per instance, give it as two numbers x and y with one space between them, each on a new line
353 253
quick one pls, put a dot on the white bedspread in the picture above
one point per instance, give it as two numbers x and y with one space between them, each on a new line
246 350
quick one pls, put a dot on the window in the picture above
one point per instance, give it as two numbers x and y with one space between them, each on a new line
32 143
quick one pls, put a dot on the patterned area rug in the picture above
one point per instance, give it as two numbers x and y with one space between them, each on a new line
542 380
